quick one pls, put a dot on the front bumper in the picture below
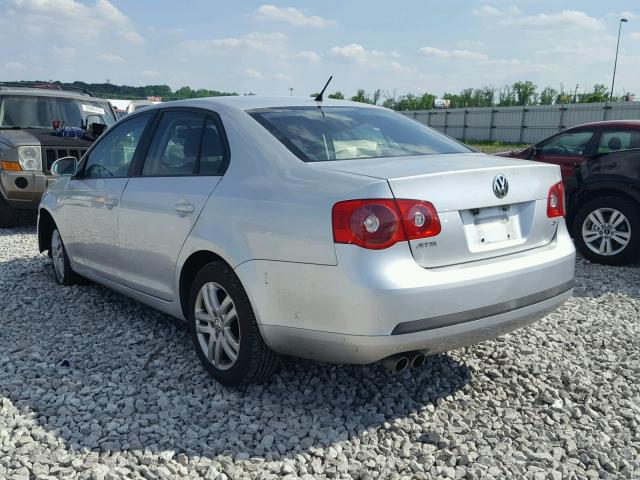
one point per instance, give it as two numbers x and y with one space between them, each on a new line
27 197
374 304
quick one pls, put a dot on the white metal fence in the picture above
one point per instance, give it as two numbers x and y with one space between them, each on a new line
528 124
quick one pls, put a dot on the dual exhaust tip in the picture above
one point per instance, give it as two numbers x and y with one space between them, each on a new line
401 361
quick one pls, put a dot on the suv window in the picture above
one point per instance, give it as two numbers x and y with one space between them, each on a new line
569 144
39 111
113 153
175 147
613 140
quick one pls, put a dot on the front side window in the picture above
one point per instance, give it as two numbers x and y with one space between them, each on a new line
38 111
567 144
317 134
112 155
613 140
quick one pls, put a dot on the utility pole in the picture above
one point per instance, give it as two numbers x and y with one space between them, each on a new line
291 91
615 64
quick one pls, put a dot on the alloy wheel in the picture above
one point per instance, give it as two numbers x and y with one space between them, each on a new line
217 326
57 255
606 231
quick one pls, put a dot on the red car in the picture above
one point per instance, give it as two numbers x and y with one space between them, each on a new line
571 147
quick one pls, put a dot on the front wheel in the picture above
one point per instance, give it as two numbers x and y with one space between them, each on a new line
62 270
224 329
607 230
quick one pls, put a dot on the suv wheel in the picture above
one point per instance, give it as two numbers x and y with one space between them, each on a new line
224 329
607 230
61 268
9 216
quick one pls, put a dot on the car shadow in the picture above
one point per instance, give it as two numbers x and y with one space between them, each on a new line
105 373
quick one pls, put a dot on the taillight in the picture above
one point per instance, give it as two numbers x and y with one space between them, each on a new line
380 223
419 219
555 201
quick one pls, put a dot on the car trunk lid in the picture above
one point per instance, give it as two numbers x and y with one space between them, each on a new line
476 222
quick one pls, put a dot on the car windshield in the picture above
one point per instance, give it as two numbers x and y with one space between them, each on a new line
37 111
318 134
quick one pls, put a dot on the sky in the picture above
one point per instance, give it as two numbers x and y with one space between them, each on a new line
268 48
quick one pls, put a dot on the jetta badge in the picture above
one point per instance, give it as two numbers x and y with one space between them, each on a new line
500 186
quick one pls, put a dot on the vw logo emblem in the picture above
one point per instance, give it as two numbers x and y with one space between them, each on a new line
500 186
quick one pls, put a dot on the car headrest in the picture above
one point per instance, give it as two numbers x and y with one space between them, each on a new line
192 142
614 143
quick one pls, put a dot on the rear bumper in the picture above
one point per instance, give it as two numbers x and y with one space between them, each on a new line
362 349
27 197
377 303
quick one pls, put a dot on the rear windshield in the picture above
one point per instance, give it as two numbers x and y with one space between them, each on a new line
318 134
37 111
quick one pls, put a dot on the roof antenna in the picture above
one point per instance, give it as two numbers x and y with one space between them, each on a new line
319 96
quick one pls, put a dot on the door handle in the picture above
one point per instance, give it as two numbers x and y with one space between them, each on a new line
184 208
111 202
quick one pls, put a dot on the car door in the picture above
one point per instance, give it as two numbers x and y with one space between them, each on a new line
160 204
89 206
568 149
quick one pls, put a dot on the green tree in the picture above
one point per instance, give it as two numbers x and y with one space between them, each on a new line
337 95
548 96
600 93
507 97
525 92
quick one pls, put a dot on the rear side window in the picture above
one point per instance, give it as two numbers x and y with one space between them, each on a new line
185 143
613 140
175 147
318 134
212 151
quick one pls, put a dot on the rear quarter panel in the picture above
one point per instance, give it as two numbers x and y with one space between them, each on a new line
270 205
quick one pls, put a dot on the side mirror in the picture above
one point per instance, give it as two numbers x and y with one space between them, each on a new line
536 152
65 167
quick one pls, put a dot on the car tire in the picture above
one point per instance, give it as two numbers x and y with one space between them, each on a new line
224 330
62 271
9 216
607 230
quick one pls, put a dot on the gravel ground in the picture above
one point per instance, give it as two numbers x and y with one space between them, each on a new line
96 386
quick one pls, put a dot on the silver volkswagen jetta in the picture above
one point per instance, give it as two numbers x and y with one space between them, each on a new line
330 230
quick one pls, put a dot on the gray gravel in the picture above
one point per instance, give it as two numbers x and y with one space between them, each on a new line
96 386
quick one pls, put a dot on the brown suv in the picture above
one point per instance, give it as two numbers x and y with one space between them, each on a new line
38 126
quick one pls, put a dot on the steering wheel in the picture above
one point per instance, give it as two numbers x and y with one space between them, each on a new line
100 168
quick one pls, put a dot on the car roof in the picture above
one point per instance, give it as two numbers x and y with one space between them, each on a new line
251 102
609 123
46 92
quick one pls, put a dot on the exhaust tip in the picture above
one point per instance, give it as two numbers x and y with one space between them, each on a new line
418 360
396 363
401 364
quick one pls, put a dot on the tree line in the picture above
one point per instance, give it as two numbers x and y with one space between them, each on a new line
520 93
109 90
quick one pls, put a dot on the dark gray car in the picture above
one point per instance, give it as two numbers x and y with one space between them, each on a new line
38 126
